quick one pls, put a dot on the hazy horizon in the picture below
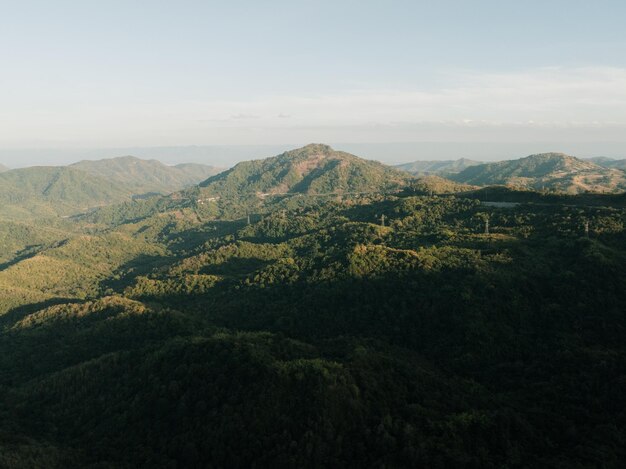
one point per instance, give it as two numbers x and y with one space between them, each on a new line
389 152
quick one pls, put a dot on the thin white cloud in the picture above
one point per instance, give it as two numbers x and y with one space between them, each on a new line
587 101
552 96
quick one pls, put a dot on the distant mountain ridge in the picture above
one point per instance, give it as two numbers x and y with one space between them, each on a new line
55 190
143 176
3 168
313 169
553 171
50 191
609 162
433 184
437 167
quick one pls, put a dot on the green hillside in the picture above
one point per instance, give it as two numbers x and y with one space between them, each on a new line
79 267
338 364
550 171
313 169
432 184
144 176
51 191
281 182
368 330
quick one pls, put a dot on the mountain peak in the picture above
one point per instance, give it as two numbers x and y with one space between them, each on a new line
313 169
557 161
553 170
550 154
316 147
311 150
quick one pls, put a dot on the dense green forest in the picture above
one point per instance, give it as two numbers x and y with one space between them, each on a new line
435 326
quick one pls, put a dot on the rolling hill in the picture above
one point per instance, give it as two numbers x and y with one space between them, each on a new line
432 184
609 162
3 168
443 167
175 340
145 176
84 262
344 343
51 191
551 171
21 239
313 169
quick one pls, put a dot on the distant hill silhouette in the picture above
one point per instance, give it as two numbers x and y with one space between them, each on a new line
552 171
442 167
55 190
143 176
609 162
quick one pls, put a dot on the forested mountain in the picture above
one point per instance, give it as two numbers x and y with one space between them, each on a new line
437 167
143 176
296 178
313 169
399 322
19 239
432 184
55 190
619 164
551 171
609 162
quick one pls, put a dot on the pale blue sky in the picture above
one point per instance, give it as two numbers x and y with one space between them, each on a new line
113 74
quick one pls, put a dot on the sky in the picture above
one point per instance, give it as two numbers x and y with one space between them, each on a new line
90 77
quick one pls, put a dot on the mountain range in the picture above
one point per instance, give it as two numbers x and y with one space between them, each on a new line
314 169
609 162
143 176
55 190
361 317
437 167
550 171
40 191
